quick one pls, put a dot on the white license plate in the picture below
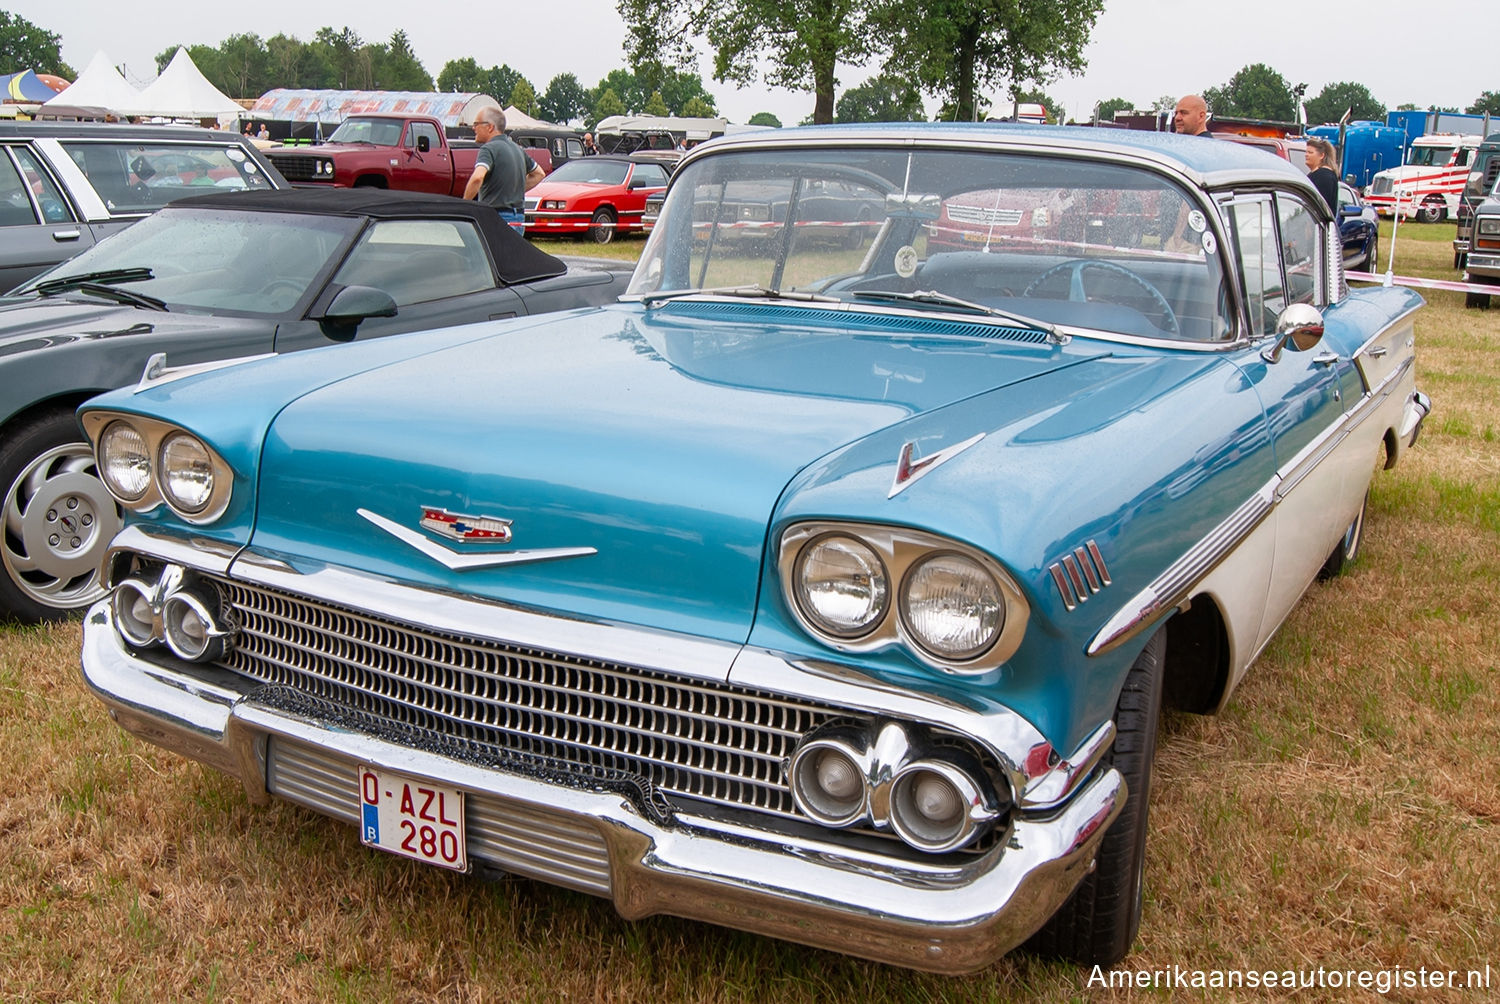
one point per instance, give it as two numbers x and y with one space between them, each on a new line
412 817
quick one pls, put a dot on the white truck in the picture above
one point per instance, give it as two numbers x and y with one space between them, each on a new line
1427 187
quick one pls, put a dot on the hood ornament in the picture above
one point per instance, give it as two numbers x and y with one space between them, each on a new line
466 562
909 470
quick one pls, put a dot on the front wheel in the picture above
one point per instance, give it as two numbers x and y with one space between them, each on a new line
602 226
1099 922
1430 212
57 522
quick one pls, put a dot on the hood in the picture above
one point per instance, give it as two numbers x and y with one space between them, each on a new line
658 443
568 190
38 322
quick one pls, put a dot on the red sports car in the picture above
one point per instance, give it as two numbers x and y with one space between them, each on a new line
597 196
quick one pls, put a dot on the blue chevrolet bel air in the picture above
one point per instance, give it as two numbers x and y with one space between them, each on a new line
829 585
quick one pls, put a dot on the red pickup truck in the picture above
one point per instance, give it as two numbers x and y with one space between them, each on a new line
410 152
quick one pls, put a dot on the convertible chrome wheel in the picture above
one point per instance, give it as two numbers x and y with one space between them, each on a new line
58 520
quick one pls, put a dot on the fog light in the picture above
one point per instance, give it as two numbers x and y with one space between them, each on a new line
190 624
134 617
827 782
937 807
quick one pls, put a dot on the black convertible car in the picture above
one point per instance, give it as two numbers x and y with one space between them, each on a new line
220 277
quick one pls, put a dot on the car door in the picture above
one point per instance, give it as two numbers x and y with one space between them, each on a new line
644 181
419 171
38 227
1283 254
437 271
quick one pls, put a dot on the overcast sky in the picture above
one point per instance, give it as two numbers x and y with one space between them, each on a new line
1140 50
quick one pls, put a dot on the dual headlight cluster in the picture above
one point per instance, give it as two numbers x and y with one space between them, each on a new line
176 608
862 587
553 204
144 463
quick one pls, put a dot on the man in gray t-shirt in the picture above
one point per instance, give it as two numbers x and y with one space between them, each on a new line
503 171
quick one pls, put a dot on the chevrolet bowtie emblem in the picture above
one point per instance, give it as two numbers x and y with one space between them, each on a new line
466 562
490 529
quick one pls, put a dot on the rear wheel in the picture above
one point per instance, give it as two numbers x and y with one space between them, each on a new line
602 226
57 521
1099 922
1347 549
1372 263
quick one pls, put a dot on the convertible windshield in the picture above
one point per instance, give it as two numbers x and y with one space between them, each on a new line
1048 240
216 260
591 171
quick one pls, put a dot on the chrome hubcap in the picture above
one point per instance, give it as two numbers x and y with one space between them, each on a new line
58 521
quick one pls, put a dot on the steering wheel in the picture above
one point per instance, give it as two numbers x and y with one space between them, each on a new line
1076 293
271 289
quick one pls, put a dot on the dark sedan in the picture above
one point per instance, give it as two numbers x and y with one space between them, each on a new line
1359 232
220 277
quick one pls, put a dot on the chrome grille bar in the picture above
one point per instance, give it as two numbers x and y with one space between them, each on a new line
715 743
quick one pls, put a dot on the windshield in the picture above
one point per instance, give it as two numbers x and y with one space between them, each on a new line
591 171
1059 240
143 177
217 260
1430 156
381 132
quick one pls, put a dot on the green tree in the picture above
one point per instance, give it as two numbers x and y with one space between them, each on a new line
953 49
765 119
680 89
564 100
1336 99
608 104
463 76
801 44
523 97
882 98
1255 92
697 108
627 90
655 105
1486 103
399 69
500 81
243 67
26 46
1105 110
342 50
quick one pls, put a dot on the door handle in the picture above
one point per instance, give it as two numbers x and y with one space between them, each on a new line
1376 351
66 235
1326 358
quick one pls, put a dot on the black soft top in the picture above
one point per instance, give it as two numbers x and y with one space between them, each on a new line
516 259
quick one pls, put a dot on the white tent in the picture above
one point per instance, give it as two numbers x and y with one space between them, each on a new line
517 119
98 89
182 91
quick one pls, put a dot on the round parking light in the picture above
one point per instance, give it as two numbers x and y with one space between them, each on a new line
936 807
190 625
827 783
134 617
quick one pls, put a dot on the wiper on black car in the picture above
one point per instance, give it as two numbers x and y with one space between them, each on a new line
117 295
754 291
944 300
63 283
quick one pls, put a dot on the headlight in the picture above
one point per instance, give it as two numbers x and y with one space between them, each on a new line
841 586
952 606
553 203
125 462
1489 225
187 473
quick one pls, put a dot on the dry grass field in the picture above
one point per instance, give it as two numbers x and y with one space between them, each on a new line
1343 812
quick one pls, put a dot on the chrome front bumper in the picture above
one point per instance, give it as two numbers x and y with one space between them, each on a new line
943 919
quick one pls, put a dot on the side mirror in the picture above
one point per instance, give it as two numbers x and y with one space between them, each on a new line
1348 209
424 143
1300 327
350 306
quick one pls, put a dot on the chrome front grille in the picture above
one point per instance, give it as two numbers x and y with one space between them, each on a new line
295 167
1380 186
688 738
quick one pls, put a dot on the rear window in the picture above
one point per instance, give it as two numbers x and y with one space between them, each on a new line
135 178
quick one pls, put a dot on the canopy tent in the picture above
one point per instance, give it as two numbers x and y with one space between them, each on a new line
329 108
182 91
517 119
25 86
98 90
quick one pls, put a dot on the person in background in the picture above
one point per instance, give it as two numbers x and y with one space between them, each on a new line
503 172
1191 116
1322 163
264 133
589 149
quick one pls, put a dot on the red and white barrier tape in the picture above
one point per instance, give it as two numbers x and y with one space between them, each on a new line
1418 282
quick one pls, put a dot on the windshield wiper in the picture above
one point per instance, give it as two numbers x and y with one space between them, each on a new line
940 299
111 293
753 291
63 283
